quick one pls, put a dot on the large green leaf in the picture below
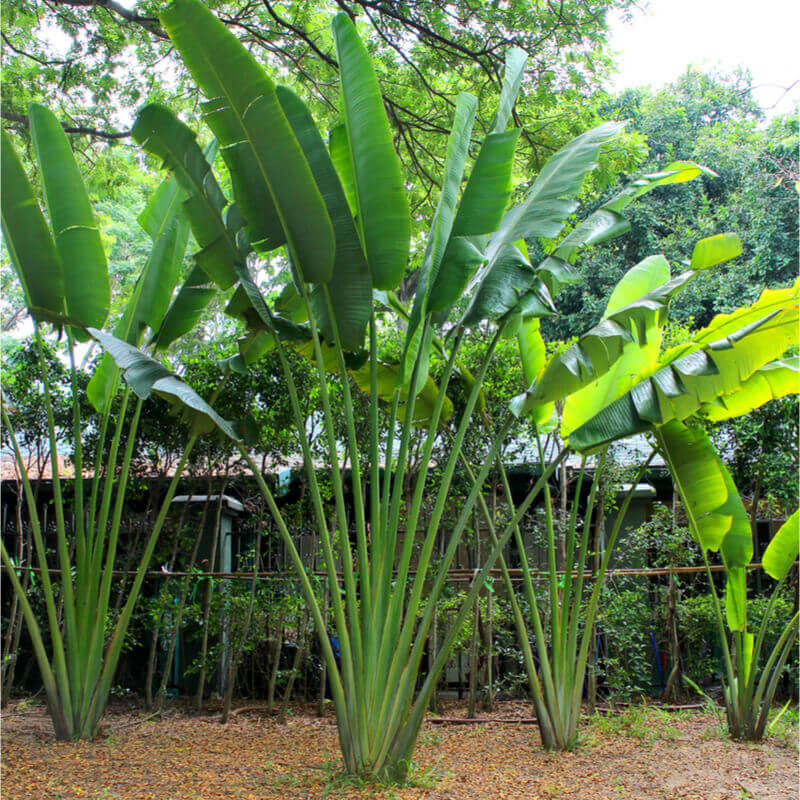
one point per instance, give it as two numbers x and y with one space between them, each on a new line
683 384
480 211
715 511
598 349
340 155
262 153
775 379
509 288
542 213
388 376
484 199
547 204
30 243
439 235
715 250
382 206
350 287
165 222
217 227
769 302
512 79
75 231
636 355
146 377
186 309
607 222
783 549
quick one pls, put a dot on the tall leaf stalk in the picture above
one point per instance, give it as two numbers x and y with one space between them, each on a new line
78 673
378 614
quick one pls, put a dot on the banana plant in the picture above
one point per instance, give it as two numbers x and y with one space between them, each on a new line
617 383
60 262
565 392
719 521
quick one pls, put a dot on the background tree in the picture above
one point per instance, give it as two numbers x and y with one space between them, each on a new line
713 120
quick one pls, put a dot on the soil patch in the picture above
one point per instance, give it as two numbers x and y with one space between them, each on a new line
644 753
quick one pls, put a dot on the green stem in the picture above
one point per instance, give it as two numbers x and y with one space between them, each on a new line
59 656
67 589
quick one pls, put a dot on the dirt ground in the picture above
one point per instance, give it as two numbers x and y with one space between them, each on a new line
644 753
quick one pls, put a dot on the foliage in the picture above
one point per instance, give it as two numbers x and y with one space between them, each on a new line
627 620
712 119
93 61
61 265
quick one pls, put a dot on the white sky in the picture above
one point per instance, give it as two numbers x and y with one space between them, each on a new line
762 35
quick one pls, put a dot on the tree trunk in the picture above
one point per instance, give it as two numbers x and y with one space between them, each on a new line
151 661
233 661
591 688
473 650
488 701
11 647
673 685
273 674
433 703
473 663
324 670
299 655
176 625
201 681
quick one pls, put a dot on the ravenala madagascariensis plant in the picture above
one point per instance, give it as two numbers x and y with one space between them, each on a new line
341 212
62 268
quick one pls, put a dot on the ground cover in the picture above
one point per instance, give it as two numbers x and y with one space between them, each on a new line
641 753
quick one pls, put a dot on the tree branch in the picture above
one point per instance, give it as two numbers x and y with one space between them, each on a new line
95 133
150 24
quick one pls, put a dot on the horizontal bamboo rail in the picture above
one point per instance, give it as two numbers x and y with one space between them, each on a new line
455 575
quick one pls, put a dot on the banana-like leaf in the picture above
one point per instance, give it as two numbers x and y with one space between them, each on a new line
772 381
679 388
488 188
388 375
584 404
531 349
268 169
716 250
30 243
83 262
455 160
350 287
382 206
165 222
391 302
480 211
533 356
607 222
484 199
146 377
715 511
543 213
782 551
339 149
512 79
217 227
769 302
598 349
509 289
186 309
